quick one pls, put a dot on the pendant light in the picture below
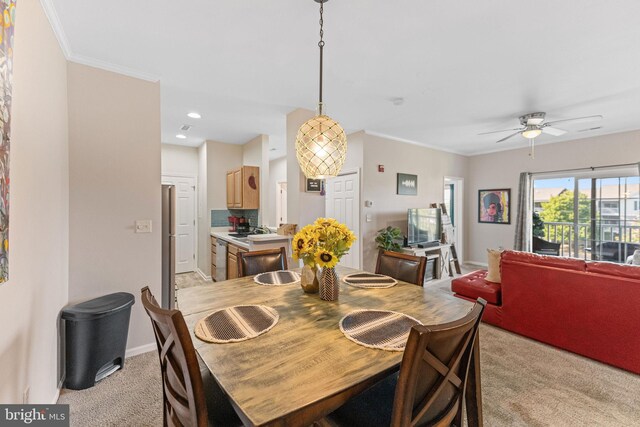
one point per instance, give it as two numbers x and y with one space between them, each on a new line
321 144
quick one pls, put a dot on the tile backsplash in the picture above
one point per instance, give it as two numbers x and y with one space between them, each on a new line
219 217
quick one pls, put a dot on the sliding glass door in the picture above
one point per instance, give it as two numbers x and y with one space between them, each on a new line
591 217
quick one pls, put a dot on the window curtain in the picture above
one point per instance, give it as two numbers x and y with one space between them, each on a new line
524 220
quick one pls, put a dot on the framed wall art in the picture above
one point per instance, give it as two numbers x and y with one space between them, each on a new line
407 185
494 206
314 185
8 10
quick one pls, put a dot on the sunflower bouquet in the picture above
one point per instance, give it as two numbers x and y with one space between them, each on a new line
322 243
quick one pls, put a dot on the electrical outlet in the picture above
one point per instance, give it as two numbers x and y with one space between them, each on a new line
25 395
143 226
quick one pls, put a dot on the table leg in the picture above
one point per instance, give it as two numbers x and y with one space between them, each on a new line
473 394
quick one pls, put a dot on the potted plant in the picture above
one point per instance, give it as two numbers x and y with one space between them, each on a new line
389 238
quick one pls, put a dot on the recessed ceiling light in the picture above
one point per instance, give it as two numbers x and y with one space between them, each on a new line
181 136
194 115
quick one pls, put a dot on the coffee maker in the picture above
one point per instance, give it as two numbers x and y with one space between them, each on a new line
233 223
243 225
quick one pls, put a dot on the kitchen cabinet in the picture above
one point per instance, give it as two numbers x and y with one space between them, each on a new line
232 260
243 188
214 268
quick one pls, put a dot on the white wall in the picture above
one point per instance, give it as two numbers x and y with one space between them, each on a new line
256 153
220 159
277 173
502 170
39 200
114 179
177 159
388 208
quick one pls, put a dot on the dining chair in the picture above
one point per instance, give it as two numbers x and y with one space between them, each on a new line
405 267
191 396
430 387
256 262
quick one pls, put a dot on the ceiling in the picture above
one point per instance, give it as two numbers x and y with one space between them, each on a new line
461 67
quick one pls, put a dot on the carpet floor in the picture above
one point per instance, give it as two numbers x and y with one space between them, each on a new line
524 383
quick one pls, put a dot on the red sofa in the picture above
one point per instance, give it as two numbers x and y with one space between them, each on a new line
589 308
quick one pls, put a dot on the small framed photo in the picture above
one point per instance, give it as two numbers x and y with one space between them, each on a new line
494 206
407 184
314 185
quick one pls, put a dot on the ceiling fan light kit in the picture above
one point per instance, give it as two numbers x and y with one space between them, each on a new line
533 125
321 144
531 132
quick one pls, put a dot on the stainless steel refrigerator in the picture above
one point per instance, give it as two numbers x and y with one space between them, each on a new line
168 246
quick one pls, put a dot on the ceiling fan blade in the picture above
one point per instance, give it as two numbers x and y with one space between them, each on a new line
553 131
586 119
504 139
498 131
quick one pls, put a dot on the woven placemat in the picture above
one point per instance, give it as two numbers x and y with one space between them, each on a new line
369 280
238 323
381 329
277 278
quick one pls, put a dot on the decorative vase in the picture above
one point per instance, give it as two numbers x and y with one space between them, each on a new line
329 285
309 279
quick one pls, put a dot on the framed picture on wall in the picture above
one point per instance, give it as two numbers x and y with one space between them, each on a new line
407 185
314 185
494 206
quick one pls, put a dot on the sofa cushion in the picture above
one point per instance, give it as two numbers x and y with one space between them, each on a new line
548 261
493 262
474 285
612 269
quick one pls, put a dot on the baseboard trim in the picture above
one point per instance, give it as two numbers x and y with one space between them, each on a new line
478 263
56 396
204 276
140 350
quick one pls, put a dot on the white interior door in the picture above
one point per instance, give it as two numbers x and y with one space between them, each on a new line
342 202
281 203
185 221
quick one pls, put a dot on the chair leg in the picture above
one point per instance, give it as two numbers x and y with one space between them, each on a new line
473 393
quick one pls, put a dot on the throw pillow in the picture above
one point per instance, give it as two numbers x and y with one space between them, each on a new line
493 275
636 257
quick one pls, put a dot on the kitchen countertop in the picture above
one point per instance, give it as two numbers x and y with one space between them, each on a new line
246 242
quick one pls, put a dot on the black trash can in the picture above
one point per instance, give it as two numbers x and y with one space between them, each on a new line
95 338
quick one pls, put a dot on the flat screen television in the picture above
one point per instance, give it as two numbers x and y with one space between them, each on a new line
423 226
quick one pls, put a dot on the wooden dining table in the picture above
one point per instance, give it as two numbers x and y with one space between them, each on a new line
305 367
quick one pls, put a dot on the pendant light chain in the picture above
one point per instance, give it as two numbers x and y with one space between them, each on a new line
321 144
321 45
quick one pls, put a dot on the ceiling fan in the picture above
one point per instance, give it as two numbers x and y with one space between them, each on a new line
533 125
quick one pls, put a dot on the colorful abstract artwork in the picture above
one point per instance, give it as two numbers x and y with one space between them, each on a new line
7 21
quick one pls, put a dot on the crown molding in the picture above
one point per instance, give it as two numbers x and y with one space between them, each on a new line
409 141
58 30
54 20
104 65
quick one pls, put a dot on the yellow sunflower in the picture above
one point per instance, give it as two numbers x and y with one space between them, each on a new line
325 258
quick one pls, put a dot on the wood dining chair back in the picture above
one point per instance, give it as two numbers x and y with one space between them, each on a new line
256 262
405 267
435 370
439 366
184 401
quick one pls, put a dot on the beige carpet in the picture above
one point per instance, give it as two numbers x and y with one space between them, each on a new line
524 383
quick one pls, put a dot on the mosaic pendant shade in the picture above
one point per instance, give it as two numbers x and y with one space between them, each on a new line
321 147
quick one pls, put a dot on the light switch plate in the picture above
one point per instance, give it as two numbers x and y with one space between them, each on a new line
143 226
369 218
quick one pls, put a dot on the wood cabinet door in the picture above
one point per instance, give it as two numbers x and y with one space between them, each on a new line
237 188
250 187
230 190
232 266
